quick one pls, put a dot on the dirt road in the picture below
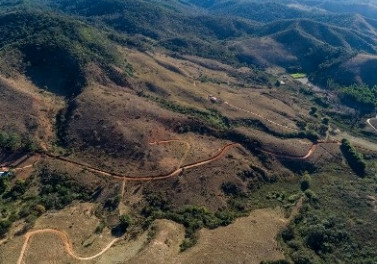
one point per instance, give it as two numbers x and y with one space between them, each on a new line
310 152
64 237
67 245
146 178
370 124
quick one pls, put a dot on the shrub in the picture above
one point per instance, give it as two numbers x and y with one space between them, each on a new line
301 124
326 121
282 261
312 135
40 209
14 142
229 188
17 190
305 182
126 220
293 198
100 227
113 202
187 243
300 257
4 227
313 111
3 185
361 97
288 234
310 194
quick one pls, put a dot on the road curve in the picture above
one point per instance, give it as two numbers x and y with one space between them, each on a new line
64 237
68 246
310 152
370 124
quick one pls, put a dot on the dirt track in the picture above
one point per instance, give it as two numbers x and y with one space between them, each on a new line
65 240
124 178
310 152
146 178
370 124
262 117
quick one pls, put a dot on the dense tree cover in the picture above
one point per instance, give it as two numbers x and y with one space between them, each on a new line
361 97
354 158
53 50
336 223
29 199
4 227
43 29
58 190
320 235
179 27
13 142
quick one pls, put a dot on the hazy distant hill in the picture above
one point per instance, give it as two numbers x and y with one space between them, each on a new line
319 34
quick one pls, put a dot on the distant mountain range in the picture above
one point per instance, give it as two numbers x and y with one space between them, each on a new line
325 39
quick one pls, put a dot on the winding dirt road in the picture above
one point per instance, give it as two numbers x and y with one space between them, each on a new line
312 148
67 245
64 237
124 178
147 178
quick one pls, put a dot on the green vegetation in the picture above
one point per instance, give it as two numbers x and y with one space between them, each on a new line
298 75
192 218
334 224
29 199
361 97
58 190
212 117
305 182
54 42
49 48
255 123
313 111
14 142
100 227
354 158
126 220
4 227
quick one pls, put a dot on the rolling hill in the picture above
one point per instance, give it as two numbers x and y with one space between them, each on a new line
148 131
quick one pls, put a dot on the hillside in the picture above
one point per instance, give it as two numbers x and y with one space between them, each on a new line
194 28
148 131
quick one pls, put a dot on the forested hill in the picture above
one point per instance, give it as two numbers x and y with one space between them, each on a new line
312 36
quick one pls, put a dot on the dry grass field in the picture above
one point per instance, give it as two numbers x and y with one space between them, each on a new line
250 239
